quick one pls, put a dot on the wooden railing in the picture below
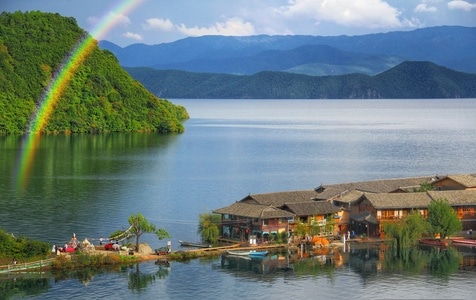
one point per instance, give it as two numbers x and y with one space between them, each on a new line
26 266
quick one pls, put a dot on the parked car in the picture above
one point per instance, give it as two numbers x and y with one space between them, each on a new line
112 246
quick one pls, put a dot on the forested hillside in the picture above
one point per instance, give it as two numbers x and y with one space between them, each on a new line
410 80
100 97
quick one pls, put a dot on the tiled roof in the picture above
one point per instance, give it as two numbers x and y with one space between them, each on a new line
351 196
254 211
373 186
457 197
398 200
311 208
466 180
280 198
381 193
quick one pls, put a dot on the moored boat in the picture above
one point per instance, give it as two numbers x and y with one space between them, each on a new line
258 254
251 253
238 252
433 242
463 242
192 244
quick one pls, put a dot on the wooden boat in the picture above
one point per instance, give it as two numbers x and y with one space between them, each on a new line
463 242
258 254
252 253
192 244
238 252
433 242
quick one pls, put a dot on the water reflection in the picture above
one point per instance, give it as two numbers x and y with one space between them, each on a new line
23 285
367 262
139 280
278 262
436 261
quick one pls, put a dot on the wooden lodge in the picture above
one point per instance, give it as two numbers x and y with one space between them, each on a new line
362 207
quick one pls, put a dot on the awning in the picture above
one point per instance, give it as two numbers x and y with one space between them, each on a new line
365 217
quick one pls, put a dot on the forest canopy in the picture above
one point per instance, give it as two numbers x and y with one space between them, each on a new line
100 96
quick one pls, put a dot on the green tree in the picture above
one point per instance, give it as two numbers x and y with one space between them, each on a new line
443 219
140 225
208 227
424 187
300 230
406 232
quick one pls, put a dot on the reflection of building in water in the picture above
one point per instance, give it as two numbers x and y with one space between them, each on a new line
467 257
267 265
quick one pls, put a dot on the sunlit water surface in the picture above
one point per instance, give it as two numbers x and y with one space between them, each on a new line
89 185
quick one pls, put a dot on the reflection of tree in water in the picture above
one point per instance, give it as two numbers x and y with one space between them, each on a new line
15 288
412 260
436 261
443 263
139 280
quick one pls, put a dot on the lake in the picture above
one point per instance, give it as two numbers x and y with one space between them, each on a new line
91 184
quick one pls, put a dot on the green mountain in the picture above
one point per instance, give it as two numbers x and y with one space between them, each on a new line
100 96
411 80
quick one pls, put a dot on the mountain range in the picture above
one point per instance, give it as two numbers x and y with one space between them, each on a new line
448 46
411 80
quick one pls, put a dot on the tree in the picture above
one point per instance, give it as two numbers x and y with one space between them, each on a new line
140 225
443 219
407 231
208 227
424 187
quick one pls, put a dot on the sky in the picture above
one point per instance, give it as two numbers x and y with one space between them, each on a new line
162 21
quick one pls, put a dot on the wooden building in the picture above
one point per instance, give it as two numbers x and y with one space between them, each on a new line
334 209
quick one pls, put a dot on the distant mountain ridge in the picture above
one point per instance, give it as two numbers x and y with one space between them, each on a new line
449 46
408 80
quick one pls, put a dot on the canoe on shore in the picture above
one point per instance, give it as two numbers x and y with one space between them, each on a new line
192 244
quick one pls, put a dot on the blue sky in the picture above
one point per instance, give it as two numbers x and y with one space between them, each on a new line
160 21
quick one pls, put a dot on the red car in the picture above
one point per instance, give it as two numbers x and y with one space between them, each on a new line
112 246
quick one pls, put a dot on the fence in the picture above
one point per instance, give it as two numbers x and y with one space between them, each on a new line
26 266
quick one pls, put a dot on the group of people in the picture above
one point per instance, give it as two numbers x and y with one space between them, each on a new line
68 247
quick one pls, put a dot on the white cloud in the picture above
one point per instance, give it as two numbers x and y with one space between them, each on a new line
355 13
119 18
131 35
231 27
423 7
460 4
159 24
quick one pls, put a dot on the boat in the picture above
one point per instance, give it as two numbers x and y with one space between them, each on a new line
433 242
258 254
238 252
463 242
252 253
192 244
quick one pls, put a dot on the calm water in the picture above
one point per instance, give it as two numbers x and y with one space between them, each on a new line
89 185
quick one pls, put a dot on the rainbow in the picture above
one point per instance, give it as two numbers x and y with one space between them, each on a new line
57 85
